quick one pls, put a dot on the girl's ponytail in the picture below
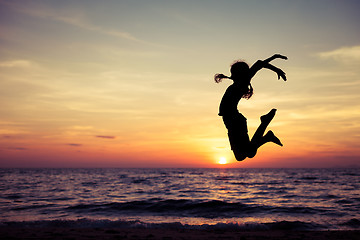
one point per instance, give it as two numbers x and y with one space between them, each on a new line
249 93
219 77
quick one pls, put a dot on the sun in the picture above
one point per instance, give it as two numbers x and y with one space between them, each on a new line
222 160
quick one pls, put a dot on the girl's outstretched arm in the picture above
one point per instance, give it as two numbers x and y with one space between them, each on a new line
265 64
278 71
274 57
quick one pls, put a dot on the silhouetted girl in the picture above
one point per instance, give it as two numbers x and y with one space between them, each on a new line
234 121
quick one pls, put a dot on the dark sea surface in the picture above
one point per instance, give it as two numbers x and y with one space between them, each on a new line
301 199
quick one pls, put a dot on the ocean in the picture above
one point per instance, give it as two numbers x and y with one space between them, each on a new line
298 199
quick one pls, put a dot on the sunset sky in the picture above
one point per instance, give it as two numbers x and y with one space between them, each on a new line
130 83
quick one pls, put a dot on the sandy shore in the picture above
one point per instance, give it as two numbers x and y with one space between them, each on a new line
168 234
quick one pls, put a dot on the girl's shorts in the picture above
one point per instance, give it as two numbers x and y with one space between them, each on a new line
237 131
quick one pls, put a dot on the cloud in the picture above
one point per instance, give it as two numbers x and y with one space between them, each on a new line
15 63
17 148
107 137
74 144
343 54
91 27
71 17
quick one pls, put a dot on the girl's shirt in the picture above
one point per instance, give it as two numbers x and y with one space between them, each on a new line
231 98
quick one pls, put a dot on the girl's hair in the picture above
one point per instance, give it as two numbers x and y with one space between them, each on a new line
249 93
219 77
236 67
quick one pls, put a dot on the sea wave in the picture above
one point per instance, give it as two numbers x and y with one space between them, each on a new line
259 198
189 208
91 223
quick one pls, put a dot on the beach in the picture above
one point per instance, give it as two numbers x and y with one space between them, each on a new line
168 234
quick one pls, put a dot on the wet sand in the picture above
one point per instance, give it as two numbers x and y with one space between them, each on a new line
168 234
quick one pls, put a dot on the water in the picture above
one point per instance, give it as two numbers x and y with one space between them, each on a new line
227 198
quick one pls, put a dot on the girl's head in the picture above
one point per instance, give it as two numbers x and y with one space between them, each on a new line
239 70
239 74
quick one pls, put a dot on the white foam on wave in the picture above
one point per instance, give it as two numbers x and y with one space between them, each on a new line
91 223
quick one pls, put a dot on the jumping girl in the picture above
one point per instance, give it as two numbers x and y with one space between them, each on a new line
234 121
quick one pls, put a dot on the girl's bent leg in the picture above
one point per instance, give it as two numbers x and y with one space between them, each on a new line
270 137
258 138
241 154
266 119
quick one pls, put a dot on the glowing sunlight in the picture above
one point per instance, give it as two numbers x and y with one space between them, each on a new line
222 160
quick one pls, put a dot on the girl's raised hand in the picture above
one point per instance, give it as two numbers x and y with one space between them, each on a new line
281 74
280 56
